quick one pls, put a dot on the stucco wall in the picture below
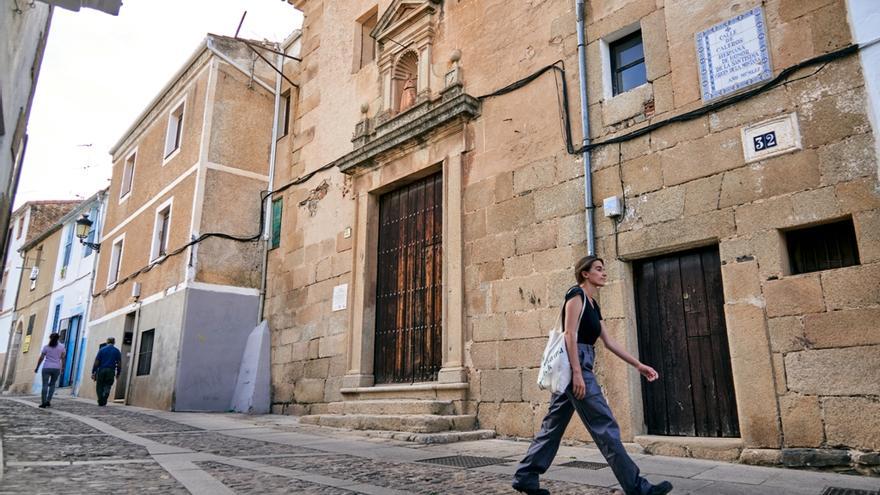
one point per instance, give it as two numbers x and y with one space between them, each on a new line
216 328
165 316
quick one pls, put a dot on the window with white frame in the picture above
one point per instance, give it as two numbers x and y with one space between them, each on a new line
174 131
115 261
160 231
127 175
68 248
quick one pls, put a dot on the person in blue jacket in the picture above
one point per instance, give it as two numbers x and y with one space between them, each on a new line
108 364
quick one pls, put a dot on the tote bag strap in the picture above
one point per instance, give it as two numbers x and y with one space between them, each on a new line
583 307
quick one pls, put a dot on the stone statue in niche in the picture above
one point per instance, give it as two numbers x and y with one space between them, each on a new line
408 97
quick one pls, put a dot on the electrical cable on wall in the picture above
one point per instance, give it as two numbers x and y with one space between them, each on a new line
557 67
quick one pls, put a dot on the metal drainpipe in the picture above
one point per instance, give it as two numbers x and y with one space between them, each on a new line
279 60
581 13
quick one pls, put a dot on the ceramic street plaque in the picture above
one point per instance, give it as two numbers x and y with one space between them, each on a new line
733 55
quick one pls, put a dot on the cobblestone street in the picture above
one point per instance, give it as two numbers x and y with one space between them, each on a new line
78 448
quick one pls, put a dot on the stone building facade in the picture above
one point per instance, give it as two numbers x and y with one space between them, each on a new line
768 354
194 163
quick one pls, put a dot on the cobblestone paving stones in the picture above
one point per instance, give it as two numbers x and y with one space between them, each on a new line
248 481
90 480
417 478
67 448
216 443
18 418
27 439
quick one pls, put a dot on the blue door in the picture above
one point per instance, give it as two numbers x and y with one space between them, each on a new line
72 350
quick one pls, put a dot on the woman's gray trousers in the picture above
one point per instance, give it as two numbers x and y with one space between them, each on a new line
596 415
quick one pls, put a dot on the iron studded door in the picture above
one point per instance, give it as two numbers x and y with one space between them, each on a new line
680 314
409 282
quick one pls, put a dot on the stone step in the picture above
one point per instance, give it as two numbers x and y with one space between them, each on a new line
414 423
392 407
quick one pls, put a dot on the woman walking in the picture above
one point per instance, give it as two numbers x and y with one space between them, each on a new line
52 359
584 394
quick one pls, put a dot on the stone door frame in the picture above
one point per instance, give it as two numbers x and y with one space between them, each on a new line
442 153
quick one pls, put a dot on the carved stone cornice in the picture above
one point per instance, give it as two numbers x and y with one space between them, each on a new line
454 106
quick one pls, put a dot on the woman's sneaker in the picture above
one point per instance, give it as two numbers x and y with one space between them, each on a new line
661 488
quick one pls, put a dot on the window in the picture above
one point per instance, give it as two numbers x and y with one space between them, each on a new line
364 44
68 247
145 354
128 175
283 114
277 206
35 270
822 247
20 227
175 127
26 344
627 63
115 261
93 214
160 232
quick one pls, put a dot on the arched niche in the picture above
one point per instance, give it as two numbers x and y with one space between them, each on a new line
406 69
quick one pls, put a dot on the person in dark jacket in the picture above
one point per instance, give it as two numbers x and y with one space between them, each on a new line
583 395
106 369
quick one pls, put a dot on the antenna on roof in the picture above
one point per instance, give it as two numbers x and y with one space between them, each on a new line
240 23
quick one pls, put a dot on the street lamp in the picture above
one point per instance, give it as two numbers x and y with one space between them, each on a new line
83 228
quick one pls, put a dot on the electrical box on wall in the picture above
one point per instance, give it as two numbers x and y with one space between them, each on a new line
612 207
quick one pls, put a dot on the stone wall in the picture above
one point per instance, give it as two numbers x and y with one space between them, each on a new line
803 347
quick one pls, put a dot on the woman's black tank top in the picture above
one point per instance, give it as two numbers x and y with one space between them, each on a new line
590 328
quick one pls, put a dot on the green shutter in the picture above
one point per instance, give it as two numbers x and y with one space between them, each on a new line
276 223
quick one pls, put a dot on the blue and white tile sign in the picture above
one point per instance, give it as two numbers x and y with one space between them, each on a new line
733 55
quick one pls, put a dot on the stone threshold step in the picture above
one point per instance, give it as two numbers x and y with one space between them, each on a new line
414 423
391 407
442 437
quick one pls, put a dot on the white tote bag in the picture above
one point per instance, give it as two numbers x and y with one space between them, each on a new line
555 372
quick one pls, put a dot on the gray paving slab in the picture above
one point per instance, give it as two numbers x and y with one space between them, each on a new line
737 473
814 482
600 477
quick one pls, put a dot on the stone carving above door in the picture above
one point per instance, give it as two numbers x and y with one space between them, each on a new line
405 37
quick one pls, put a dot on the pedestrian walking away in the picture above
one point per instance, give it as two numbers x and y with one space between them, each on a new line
52 359
583 395
106 368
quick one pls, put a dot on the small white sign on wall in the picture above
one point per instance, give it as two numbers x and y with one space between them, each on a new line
772 137
340 297
733 55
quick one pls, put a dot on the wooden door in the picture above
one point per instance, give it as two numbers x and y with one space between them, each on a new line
409 282
682 333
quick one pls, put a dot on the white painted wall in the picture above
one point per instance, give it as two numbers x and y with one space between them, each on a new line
73 290
864 19
13 270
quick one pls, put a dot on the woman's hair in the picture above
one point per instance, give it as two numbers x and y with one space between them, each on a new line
584 265
53 339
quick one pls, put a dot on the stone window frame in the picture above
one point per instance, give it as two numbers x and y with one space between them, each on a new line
605 51
368 186
362 30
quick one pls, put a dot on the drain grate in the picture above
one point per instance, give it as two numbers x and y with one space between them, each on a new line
585 465
465 461
834 490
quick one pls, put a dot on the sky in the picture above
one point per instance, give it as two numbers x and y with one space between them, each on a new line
100 71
